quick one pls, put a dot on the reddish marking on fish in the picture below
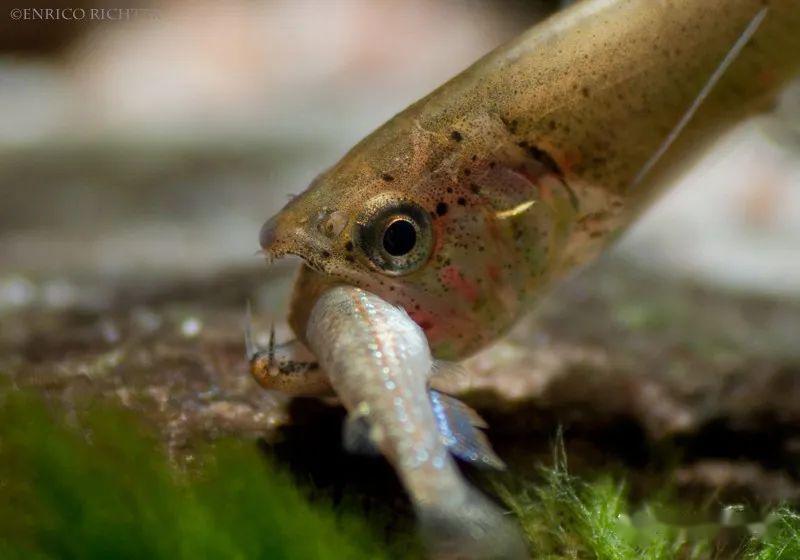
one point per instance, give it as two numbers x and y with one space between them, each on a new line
568 160
494 272
425 319
565 159
438 229
452 277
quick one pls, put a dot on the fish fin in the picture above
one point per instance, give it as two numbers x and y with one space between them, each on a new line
446 370
252 349
457 409
460 428
357 437
716 75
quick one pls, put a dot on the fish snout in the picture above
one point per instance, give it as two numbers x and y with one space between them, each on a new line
268 233
277 237
307 232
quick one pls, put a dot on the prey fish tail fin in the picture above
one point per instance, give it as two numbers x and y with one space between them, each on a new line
470 527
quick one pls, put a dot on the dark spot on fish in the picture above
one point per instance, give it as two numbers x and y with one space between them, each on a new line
542 157
467 172
552 125
449 189
441 209
296 367
386 177
474 188
462 201
492 164
585 91
325 255
456 135
349 258
474 157
512 125
349 245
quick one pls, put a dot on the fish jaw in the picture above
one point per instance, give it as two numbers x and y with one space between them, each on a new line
295 230
318 226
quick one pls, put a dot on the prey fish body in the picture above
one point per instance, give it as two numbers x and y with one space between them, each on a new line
466 206
378 362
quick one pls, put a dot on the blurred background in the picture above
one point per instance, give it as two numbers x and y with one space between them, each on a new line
164 141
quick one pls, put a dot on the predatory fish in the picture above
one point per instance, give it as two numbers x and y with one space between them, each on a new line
463 208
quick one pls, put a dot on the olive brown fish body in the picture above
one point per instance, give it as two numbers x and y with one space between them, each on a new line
463 208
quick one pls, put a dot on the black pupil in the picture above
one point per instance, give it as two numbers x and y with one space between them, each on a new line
399 238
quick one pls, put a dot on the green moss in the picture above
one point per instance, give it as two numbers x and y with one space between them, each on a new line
781 540
99 489
566 518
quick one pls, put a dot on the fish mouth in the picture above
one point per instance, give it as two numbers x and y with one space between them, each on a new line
284 235
278 241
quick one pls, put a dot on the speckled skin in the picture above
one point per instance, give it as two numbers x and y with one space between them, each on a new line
379 367
525 160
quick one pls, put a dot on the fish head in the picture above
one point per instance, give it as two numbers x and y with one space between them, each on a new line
454 234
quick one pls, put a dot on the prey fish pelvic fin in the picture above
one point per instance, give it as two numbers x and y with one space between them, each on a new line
460 427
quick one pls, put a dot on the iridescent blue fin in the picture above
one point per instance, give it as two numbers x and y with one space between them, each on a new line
460 427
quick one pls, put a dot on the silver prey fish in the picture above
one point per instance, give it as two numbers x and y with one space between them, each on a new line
377 360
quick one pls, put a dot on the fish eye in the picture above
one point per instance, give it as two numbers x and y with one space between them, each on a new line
399 237
395 236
